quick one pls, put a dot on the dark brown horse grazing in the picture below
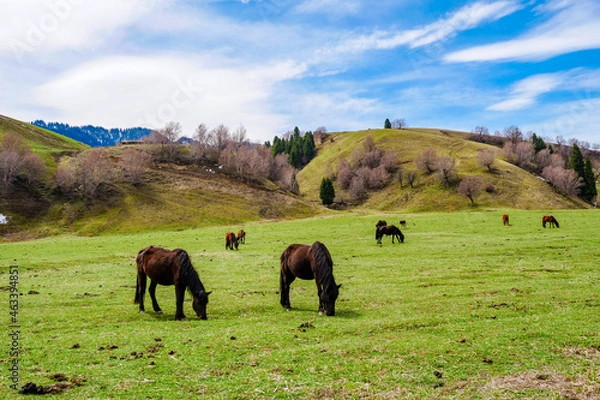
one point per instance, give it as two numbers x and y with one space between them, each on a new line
230 241
380 223
505 219
389 230
309 262
169 267
403 223
241 236
549 219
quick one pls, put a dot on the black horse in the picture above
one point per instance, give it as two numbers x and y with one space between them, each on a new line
169 267
309 262
389 230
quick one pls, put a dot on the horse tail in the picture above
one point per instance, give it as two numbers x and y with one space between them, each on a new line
283 260
556 222
139 260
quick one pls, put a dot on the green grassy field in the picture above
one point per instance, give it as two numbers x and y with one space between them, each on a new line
465 308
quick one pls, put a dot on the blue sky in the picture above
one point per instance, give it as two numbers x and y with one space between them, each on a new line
270 65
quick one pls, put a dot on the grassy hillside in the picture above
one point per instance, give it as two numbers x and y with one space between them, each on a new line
48 145
514 187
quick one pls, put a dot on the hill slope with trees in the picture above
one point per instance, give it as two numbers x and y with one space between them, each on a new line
419 170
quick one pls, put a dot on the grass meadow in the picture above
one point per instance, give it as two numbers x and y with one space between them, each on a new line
465 309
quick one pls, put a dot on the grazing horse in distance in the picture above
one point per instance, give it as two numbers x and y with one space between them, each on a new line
549 219
403 223
169 267
380 223
309 262
389 230
241 236
505 219
230 241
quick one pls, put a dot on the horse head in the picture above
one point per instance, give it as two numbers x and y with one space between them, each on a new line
328 297
199 303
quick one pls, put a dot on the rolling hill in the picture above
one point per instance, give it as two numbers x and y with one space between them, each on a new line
512 186
175 197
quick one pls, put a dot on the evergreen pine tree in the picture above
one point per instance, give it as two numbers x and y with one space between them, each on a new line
589 191
327 192
577 163
387 124
538 143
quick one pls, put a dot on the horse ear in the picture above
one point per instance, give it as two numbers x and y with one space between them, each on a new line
207 293
339 286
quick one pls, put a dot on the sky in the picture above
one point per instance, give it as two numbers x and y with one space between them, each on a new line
272 65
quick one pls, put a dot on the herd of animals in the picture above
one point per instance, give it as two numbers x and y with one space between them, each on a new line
308 262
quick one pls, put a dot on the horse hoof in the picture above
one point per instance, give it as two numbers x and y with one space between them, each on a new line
320 312
159 312
142 312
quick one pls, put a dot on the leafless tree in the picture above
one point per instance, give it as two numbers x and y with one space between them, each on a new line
18 161
320 134
411 178
85 175
221 135
513 134
389 161
524 153
486 157
426 160
133 165
480 131
357 190
565 181
344 177
444 166
470 187
239 135
399 123
171 131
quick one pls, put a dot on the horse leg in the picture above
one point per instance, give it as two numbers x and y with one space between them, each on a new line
141 290
285 280
319 291
152 291
179 295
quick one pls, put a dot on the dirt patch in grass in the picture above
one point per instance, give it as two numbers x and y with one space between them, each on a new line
577 387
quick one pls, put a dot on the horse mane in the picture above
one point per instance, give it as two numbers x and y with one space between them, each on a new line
188 273
324 264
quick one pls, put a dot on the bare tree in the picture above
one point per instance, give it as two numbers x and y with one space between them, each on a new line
221 135
513 134
480 131
389 161
344 177
470 187
399 123
524 153
444 166
239 135
565 181
85 175
411 178
486 157
18 161
426 160
320 134
133 165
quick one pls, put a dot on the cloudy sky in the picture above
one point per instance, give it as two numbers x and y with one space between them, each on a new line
270 65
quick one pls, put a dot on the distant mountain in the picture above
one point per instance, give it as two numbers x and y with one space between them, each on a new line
95 136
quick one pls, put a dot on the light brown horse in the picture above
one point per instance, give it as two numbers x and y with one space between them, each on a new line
241 236
231 241
505 219
549 219
169 267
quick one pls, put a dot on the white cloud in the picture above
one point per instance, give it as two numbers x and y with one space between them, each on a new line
526 91
328 6
468 17
151 91
575 27
38 26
